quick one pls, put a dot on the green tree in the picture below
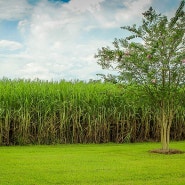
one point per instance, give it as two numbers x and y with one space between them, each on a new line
154 58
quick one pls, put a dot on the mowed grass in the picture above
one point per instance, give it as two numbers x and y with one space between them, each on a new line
91 164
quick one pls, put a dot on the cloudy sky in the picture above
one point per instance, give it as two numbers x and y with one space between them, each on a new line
57 39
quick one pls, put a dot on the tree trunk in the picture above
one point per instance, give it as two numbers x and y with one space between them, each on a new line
166 122
164 138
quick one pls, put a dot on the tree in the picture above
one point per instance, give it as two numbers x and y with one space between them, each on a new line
154 58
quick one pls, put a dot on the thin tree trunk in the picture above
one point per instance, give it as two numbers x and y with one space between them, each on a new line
164 133
164 136
166 123
169 127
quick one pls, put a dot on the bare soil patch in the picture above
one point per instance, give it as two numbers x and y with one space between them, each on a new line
167 152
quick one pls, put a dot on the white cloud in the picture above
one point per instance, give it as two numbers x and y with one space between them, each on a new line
132 11
14 9
7 45
23 26
60 41
57 46
35 70
10 65
84 6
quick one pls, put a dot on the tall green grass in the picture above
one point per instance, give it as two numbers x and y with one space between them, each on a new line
41 112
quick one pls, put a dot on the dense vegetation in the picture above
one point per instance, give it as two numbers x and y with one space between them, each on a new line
38 112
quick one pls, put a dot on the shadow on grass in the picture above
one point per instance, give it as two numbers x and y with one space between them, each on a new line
167 152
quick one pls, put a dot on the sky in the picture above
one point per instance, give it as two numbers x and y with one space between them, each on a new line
57 39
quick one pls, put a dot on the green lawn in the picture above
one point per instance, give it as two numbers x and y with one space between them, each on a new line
90 164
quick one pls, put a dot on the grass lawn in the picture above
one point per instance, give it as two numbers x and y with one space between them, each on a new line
91 164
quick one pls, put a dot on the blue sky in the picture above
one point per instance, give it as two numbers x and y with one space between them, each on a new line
57 39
